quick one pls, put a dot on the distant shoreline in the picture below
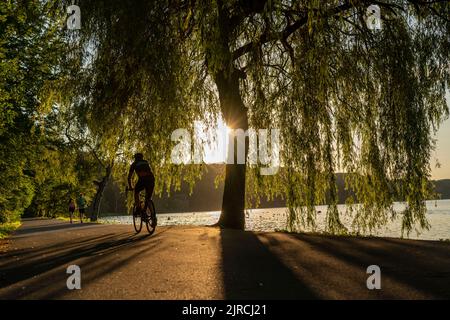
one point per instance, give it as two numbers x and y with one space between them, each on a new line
258 208
275 219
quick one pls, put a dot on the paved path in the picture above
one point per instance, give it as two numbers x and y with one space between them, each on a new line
209 263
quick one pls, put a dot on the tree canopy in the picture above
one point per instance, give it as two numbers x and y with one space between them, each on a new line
38 169
346 98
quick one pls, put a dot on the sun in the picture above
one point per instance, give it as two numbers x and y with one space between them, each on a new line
228 129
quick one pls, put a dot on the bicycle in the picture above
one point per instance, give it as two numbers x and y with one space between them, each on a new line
144 214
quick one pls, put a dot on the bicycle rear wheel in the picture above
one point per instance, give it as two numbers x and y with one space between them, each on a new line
150 221
137 220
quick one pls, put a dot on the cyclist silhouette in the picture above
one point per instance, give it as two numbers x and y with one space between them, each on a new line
146 179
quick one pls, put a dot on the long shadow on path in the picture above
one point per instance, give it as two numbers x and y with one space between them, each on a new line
252 271
23 266
302 266
52 227
421 268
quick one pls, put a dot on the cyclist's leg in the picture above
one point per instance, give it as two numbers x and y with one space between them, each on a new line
136 197
149 187
138 188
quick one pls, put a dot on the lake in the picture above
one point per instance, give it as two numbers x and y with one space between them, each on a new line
272 219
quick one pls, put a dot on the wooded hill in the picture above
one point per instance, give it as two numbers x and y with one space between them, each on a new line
206 197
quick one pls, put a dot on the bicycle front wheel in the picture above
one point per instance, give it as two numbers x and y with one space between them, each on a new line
137 220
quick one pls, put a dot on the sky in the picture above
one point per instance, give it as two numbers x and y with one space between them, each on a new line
442 152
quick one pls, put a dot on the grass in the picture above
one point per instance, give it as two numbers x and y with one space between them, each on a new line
7 228
63 218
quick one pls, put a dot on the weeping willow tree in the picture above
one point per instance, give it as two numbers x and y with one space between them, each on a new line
345 97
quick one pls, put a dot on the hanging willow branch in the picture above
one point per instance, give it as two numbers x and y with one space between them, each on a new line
346 98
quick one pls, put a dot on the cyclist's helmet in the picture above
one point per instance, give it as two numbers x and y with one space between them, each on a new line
138 156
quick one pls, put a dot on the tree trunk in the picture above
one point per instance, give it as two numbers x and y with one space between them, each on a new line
101 185
233 202
235 116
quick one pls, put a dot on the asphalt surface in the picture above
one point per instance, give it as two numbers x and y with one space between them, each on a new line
210 263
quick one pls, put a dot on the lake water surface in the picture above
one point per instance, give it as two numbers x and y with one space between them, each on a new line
273 219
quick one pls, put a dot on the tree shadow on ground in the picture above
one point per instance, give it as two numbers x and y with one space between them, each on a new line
53 227
50 262
409 268
422 265
252 271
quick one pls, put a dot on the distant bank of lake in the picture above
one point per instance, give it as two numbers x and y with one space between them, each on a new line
272 219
